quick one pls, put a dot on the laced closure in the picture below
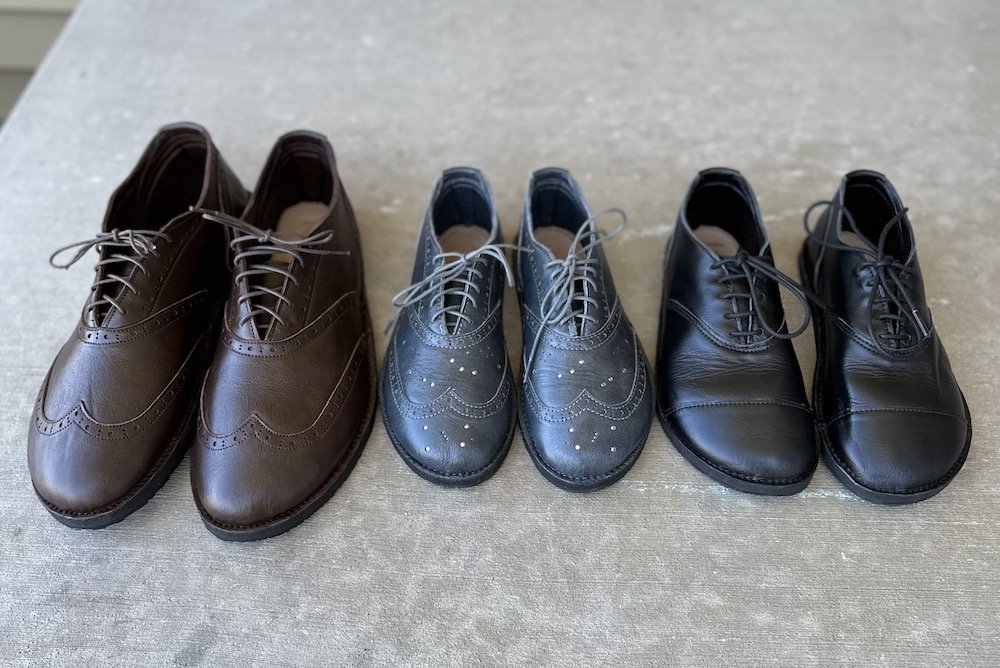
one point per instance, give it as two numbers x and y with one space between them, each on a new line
252 243
746 267
568 299
141 242
454 275
890 282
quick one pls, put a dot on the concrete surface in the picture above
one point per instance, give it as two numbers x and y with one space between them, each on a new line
665 567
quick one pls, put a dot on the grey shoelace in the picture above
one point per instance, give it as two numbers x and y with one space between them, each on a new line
251 242
891 282
455 276
569 297
141 243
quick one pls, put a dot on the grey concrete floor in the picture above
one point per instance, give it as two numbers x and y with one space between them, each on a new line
665 567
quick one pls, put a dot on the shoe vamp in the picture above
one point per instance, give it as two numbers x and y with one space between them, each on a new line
117 382
287 390
473 372
922 380
604 368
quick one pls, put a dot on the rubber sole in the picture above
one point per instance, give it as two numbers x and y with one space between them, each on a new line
733 482
452 480
839 472
127 505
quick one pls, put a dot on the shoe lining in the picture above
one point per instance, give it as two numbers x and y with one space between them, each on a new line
556 239
721 242
852 239
463 238
296 223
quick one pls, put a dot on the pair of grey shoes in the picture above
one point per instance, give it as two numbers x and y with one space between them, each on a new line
447 390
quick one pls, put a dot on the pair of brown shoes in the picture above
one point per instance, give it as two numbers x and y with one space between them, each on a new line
241 326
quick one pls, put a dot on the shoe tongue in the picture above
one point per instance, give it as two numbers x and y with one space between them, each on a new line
453 299
106 315
274 281
295 223
460 239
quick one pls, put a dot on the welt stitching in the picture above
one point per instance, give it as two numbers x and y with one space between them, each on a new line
708 404
925 411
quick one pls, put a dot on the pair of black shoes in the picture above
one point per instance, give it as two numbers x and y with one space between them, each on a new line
447 391
892 422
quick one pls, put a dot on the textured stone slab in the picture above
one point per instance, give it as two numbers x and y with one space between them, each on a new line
663 568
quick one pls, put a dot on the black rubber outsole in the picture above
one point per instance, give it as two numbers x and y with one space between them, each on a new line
838 471
128 505
739 484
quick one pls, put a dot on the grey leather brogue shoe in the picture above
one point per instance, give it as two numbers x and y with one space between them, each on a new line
586 398
447 391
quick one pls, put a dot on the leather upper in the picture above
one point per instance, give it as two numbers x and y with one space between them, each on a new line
121 391
890 409
586 396
729 390
287 400
447 387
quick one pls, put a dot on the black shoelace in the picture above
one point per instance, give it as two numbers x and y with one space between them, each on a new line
746 268
888 279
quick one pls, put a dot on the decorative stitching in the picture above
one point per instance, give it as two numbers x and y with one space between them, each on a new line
849 412
106 336
586 402
709 404
101 431
286 346
259 430
676 306
448 400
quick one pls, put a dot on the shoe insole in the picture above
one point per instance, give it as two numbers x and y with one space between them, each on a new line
296 223
463 238
556 239
852 239
723 243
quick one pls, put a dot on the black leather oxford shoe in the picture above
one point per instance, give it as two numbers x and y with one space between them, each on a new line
893 423
729 390
586 400
447 395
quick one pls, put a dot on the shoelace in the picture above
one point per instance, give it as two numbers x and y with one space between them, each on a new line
568 300
455 276
258 243
141 242
890 284
749 267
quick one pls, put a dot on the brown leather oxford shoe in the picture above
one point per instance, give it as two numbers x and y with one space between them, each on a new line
115 413
289 401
